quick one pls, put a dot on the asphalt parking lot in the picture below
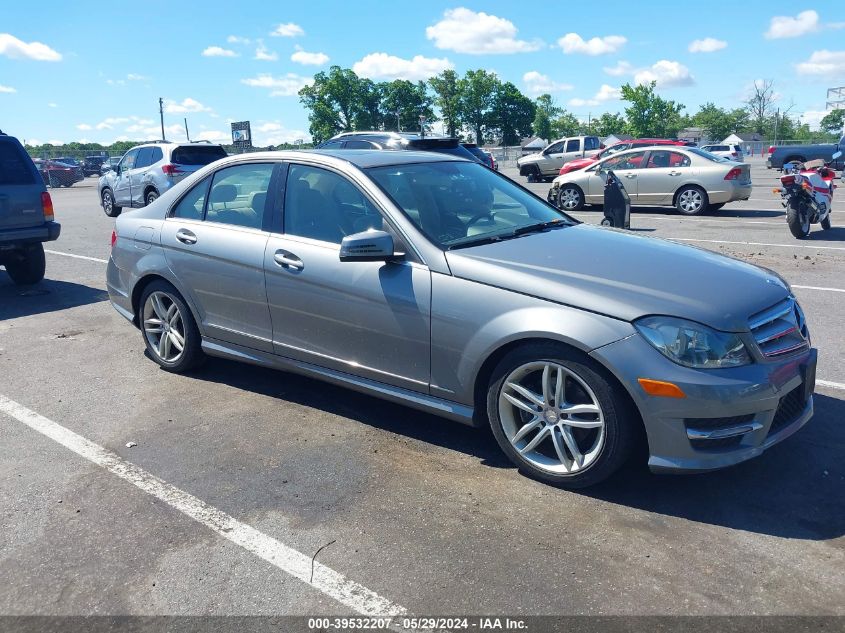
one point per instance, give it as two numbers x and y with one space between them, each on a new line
424 514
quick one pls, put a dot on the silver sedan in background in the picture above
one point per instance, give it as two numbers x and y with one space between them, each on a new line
687 178
435 282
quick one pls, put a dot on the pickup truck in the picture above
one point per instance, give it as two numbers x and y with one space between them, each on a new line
780 155
546 165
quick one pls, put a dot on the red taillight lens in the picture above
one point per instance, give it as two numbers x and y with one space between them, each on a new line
170 170
771 149
113 238
733 174
47 206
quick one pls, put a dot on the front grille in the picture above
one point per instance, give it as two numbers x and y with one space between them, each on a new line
781 329
789 408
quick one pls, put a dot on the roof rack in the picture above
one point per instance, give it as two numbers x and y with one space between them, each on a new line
202 141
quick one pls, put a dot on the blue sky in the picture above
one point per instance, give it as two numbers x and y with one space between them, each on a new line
94 71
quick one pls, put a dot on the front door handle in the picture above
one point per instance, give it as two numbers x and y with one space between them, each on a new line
630 175
186 237
674 173
286 259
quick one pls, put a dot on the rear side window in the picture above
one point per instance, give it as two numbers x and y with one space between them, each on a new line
191 206
143 158
591 142
197 154
359 145
574 145
332 145
155 155
14 165
239 194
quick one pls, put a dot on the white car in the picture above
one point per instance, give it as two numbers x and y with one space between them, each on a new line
731 152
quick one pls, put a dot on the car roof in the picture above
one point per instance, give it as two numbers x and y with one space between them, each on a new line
361 158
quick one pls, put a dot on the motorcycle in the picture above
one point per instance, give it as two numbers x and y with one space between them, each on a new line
807 194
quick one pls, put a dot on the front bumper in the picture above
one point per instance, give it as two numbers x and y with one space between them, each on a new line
743 410
46 232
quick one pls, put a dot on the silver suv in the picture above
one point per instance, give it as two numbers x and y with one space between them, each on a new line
147 171
547 164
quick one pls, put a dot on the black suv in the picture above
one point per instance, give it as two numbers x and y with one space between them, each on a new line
91 165
398 141
26 214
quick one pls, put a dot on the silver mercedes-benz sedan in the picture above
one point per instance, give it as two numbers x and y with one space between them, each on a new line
437 283
687 178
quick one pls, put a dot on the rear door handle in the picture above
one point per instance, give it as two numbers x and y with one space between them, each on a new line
286 259
186 237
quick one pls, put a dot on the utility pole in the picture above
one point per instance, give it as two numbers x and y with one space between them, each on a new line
777 116
161 115
398 124
186 129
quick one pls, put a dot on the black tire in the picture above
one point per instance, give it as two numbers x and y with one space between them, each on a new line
826 223
713 208
620 420
570 198
152 196
28 265
192 354
691 200
109 207
793 220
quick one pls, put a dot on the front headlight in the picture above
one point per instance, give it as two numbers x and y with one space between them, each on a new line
693 344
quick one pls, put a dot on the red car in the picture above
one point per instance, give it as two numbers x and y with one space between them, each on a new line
58 174
581 163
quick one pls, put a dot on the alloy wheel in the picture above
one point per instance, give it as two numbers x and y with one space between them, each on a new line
552 417
108 203
569 199
163 327
691 201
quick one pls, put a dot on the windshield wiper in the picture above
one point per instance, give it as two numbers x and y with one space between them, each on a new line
540 226
490 239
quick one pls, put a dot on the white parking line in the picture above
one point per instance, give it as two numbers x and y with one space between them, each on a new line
92 259
818 288
289 560
832 385
690 239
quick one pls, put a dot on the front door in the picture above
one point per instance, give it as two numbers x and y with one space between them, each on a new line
122 189
372 319
214 241
625 166
664 172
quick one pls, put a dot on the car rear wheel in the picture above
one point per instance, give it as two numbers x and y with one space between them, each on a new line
170 332
109 207
557 416
691 201
28 265
151 197
570 198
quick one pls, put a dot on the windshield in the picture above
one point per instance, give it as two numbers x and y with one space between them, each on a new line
460 204
707 155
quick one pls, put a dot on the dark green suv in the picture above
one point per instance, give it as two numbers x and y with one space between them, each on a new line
26 214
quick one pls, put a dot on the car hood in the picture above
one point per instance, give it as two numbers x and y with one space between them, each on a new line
622 275
530 158
578 163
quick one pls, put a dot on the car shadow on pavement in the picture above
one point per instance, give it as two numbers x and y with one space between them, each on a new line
796 489
46 296
833 234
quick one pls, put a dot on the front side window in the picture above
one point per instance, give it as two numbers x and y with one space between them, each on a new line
634 160
554 148
325 206
128 161
458 204
359 145
332 145
238 195
191 206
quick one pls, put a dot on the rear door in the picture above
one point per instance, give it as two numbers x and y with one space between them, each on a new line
20 187
122 190
186 159
665 171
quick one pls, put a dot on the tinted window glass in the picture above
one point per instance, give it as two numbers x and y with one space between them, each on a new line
591 142
554 148
238 195
128 161
155 155
190 207
14 165
359 145
143 158
633 160
574 145
197 154
667 159
333 145
325 206
457 203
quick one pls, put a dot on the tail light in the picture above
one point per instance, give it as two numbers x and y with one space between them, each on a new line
113 237
492 162
788 180
734 154
47 206
771 149
733 174
171 170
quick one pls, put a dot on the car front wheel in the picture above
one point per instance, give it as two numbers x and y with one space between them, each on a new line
110 208
170 332
570 198
557 416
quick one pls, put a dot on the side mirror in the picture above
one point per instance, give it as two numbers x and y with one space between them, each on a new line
368 246
836 155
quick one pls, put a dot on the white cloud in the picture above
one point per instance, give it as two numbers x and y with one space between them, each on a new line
537 84
83 127
309 59
136 77
55 142
154 131
235 39
824 63
218 51
187 105
783 26
49 105
666 73
288 30
116 82
215 136
605 93
33 142
285 86
384 66
621 68
6 89
707 45
274 133
574 43
814 117
465 31
262 53
10 46
110 122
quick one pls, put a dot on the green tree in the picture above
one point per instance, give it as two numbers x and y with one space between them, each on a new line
546 110
370 115
477 91
648 114
447 98
740 120
333 102
833 122
410 100
512 114
608 124
716 121
565 124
